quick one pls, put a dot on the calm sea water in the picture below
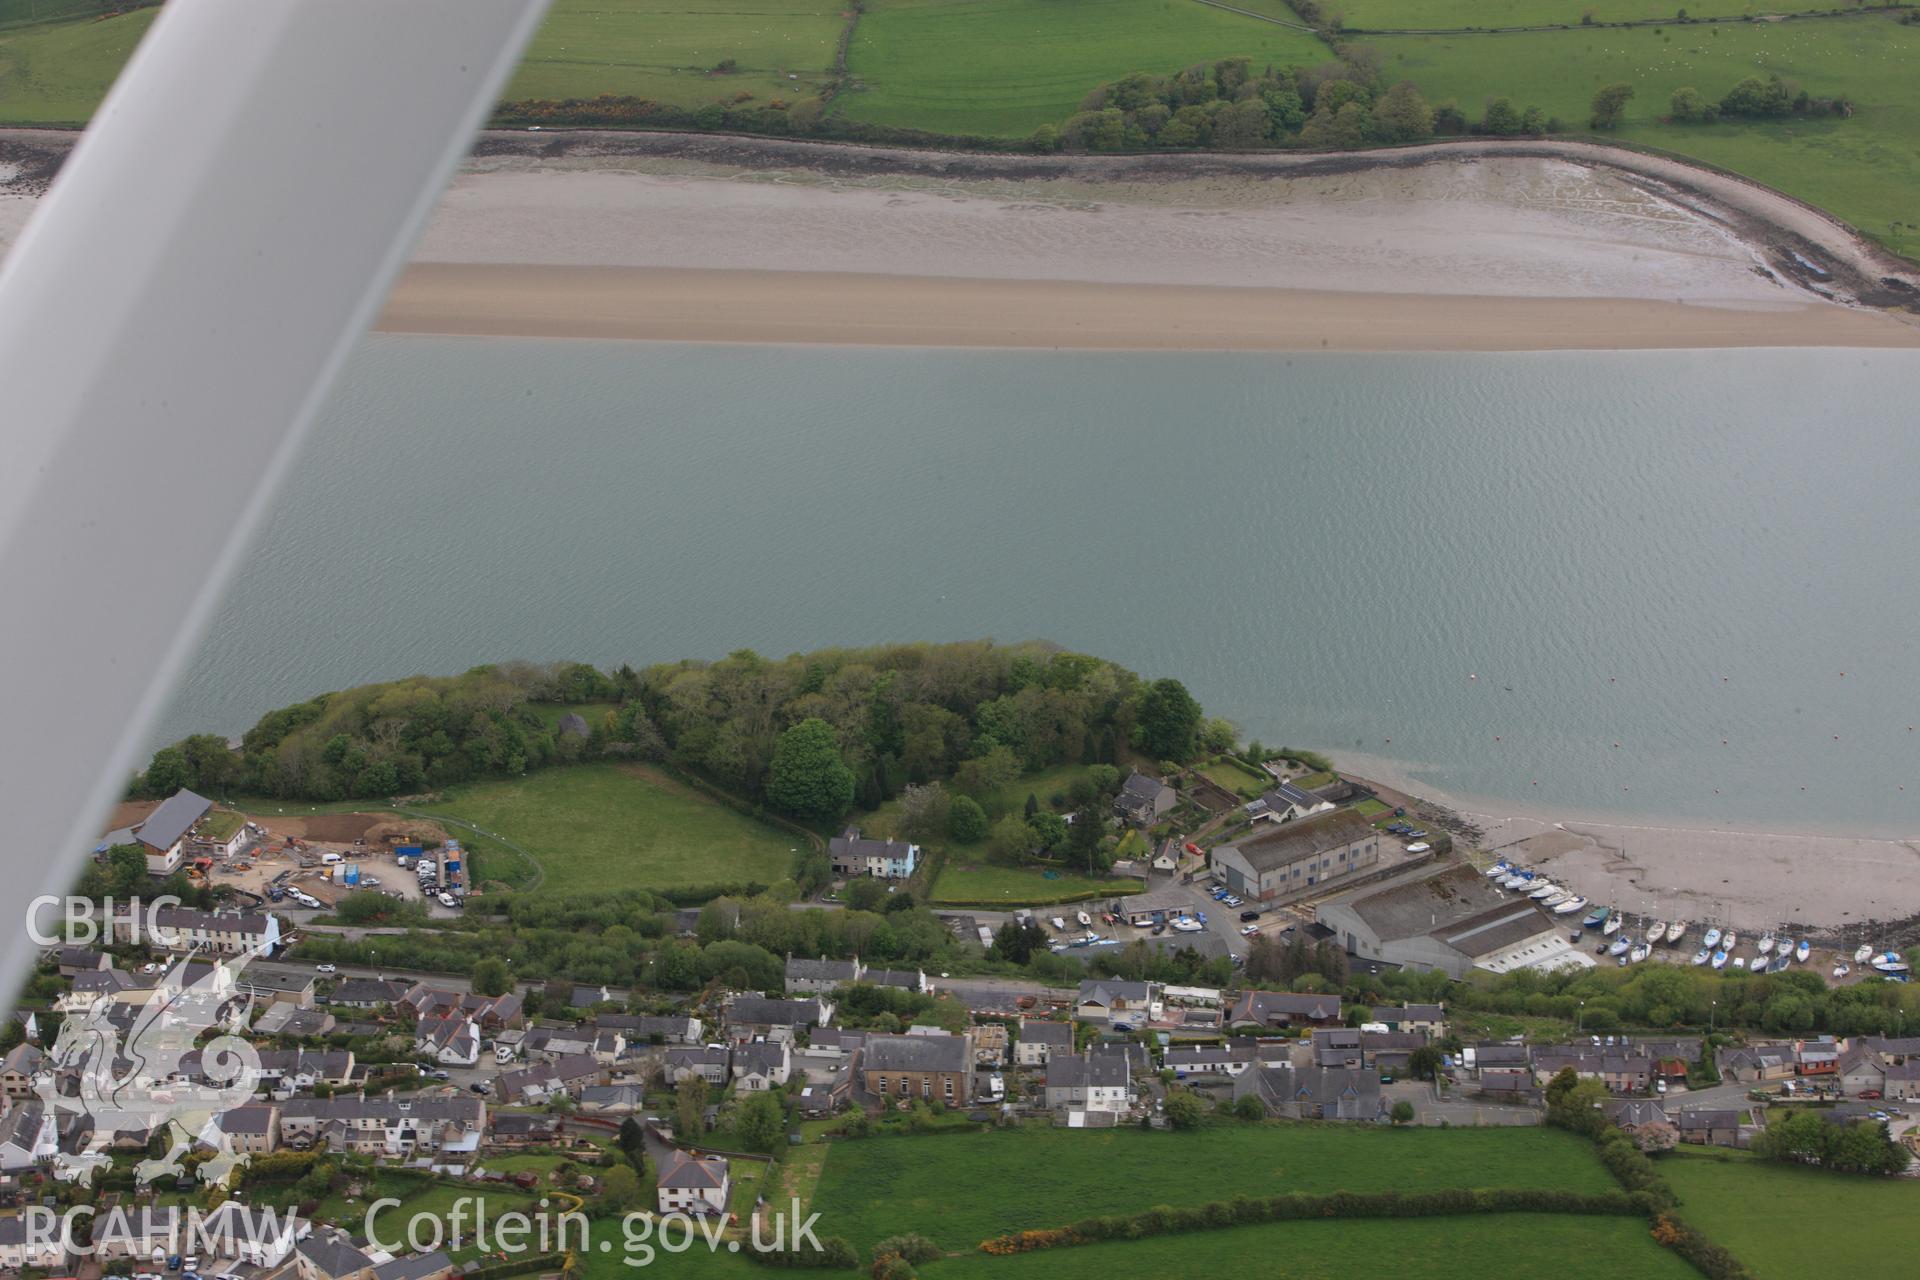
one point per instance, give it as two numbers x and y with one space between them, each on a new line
1659 550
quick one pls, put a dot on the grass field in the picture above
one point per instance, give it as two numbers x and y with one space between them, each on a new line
1018 885
1562 1246
605 826
1049 1177
667 50
1865 169
1003 67
1233 775
56 73
1787 1222
1389 15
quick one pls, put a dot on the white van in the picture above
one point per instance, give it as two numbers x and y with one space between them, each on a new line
446 900
328 859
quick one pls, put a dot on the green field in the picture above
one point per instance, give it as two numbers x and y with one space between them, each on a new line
1018 1179
1391 15
1003 67
667 50
56 73
1236 777
1564 1247
1786 1222
604 826
1017 886
1865 169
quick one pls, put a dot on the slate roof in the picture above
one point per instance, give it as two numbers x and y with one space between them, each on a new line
916 1053
1286 844
332 1253
1089 1070
683 1171
173 818
1057 1035
758 1011
1424 904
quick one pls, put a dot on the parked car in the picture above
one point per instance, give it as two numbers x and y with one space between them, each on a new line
1249 931
326 968
439 1074
1870 1095
481 1087
1249 915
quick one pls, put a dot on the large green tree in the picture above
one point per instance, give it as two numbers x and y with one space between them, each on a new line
1610 105
1169 720
809 778
761 1122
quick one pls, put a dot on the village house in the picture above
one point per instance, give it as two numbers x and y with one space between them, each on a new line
287 1070
1143 801
823 976
91 987
191 929
21 1248
1631 1115
649 1028
1620 1072
612 1099
1287 803
253 1129
1712 1127
1271 1010
1095 1080
1230 1059
489 1013
366 993
330 1254
852 854
762 1067
451 1041
1039 1040
384 1126
73 961
694 1185
18 1069
512 1130
1112 1001
750 1017
28 1138
1751 1063
291 1020
1493 1057
1313 1093
1430 1019
711 1063
545 1081
1286 861
895 1068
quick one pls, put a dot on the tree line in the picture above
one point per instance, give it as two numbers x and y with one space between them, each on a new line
809 735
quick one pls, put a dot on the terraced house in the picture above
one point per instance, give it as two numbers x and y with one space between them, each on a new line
388 1126
853 854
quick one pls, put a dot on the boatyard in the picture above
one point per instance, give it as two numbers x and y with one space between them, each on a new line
1635 933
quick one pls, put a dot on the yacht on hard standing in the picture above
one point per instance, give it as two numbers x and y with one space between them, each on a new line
1571 905
1658 933
1766 942
1802 950
1676 931
1712 939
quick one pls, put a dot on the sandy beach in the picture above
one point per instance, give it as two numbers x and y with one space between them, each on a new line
703 305
1840 889
1470 247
